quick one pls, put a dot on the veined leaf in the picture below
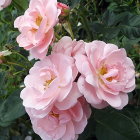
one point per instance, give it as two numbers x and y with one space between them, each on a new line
11 109
118 124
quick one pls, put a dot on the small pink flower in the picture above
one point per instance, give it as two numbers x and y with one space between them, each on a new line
63 7
50 81
4 3
69 47
62 124
36 26
107 75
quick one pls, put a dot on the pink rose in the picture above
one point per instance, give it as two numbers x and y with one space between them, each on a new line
4 3
107 75
63 7
51 81
62 124
69 47
36 26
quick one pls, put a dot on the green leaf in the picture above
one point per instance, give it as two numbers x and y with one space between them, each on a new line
104 133
11 109
129 43
22 3
97 27
2 78
109 18
108 32
131 26
131 20
89 130
68 28
3 89
131 32
127 22
120 124
75 3
111 32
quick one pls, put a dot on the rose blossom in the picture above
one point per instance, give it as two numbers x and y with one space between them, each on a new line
51 80
62 124
69 47
4 3
107 75
36 26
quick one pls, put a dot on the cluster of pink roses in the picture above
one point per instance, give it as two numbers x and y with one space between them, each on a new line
60 86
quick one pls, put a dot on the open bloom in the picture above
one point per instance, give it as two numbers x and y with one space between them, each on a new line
62 124
107 75
50 83
4 3
69 47
36 26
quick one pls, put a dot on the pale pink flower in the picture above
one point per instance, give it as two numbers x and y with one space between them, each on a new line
4 3
36 26
63 7
51 81
62 124
107 75
69 47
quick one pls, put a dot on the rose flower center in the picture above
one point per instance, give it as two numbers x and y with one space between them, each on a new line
54 114
47 83
104 71
38 20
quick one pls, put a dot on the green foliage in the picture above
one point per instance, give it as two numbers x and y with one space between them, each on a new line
23 4
115 125
11 109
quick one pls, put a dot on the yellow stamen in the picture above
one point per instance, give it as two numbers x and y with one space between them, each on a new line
109 79
33 30
103 71
47 83
38 20
54 114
